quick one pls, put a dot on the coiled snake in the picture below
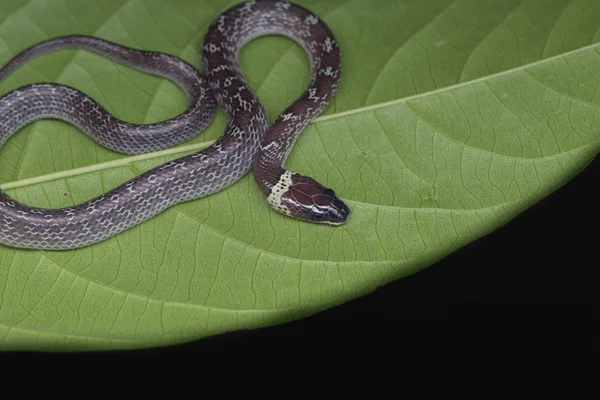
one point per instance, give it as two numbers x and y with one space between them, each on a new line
246 143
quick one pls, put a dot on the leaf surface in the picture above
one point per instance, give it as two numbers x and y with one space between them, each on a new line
453 117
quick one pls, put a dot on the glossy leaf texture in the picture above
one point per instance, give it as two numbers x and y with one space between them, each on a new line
453 117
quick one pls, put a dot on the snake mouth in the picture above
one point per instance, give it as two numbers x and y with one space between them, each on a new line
335 223
338 213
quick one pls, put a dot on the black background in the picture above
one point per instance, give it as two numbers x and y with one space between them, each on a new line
525 288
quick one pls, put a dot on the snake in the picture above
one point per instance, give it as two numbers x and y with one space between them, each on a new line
247 143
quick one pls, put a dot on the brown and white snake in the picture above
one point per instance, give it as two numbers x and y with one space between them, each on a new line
246 143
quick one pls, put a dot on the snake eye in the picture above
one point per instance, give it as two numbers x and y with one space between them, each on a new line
318 216
329 192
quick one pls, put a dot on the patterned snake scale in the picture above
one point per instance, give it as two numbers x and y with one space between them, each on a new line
246 143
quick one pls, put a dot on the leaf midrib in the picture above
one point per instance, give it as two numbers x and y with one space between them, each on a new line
198 146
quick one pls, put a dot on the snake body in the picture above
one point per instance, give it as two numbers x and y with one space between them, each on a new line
246 142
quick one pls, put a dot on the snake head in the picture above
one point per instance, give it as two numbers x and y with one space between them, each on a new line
304 198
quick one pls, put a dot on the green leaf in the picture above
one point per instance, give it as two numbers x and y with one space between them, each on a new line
453 117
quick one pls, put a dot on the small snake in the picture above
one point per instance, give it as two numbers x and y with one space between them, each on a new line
246 143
